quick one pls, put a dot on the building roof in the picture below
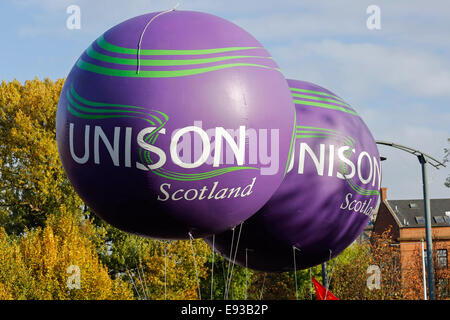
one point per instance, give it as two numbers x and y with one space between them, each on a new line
410 213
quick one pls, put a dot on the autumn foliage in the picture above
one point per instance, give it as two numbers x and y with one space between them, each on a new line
37 265
53 247
349 277
45 228
413 275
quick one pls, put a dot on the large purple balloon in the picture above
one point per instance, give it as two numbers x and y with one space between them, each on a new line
326 198
143 117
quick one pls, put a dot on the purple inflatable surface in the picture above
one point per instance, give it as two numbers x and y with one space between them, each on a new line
190 133
327 196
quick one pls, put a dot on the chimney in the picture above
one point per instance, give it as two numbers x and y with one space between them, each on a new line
383 194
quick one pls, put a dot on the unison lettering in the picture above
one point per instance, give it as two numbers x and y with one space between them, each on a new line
210 150
211 153
364 160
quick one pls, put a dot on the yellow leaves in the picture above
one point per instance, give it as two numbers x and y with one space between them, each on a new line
350 270
10 95
45 231
36 265
5 292
32 178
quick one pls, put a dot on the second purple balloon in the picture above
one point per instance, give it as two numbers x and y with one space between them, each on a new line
325 200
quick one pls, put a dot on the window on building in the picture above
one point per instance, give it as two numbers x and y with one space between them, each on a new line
420 220
447 219
442 258
439 219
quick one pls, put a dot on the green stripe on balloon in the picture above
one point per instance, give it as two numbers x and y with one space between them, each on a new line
191 177
161 74
102 43
354 186
153 136
332 134
312 136
176 175
162 113
313 131
292 144
324 129
304 96
317 128
320 93
103 104
207 174
91 116
163 63
99 104
324 105
188 176
78 114
92 110
318 134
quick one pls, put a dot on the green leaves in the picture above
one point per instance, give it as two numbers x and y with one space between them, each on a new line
33 183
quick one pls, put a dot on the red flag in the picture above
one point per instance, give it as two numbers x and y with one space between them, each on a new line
321 291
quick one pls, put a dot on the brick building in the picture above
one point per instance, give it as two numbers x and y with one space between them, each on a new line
407 223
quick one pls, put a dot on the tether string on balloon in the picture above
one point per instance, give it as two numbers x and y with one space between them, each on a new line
142 282
229 263
145 283
246 272
195 265
212 266
142 35
332 268
331 274
134 285
234 260
262 287
295 272
165 271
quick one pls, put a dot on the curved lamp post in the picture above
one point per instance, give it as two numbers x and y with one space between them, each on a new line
423 159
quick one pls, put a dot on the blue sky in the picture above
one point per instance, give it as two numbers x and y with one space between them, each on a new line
397 78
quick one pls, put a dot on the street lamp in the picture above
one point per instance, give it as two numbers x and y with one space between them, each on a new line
423 159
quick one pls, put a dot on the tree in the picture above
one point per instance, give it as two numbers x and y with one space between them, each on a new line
170 271
385 254
282 285
34 191
349 280
46 228
413 274
43 262
32 180
229 281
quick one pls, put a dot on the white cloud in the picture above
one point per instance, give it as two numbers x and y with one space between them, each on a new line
398 78
400 94
367 69
416 126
